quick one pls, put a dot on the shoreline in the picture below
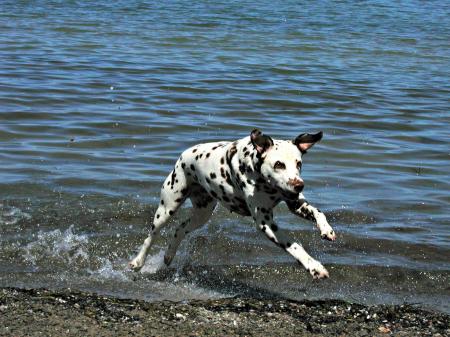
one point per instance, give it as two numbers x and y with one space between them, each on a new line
41 312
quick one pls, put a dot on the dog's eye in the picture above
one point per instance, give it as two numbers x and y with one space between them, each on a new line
279 166
299 165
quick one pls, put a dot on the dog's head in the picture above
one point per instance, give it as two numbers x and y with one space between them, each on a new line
281 161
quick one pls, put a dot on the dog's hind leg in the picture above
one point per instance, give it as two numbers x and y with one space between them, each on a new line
174 192
202 208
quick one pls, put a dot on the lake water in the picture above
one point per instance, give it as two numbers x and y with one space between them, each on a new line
98 99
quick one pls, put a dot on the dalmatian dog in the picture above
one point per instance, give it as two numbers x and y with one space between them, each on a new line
250 177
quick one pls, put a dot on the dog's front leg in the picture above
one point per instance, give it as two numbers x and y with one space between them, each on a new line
265 223
304 210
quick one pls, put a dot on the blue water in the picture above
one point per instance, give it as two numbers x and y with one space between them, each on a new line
98 99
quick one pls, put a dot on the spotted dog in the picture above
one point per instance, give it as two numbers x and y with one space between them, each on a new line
250 177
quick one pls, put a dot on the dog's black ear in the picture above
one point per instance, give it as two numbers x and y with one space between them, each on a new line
261 142
306 140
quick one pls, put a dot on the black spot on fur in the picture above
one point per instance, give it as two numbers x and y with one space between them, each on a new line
192 167
260 181
228 180
214 194
271 191
212 175
208 181
231 152
222 160
162 202
170 212
208 154
274 227
194 150
157 216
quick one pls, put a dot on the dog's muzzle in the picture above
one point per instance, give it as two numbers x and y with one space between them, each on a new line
297 184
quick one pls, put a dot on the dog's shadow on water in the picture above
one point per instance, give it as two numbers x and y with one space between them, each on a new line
218 278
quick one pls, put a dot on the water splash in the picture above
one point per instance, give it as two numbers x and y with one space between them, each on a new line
108 271
10 215
153 263
57 247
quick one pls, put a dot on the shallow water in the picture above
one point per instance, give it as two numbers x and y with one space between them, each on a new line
97 101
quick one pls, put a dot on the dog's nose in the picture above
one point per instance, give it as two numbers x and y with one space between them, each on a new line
299 188
298 184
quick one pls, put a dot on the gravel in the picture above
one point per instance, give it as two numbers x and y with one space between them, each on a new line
40 312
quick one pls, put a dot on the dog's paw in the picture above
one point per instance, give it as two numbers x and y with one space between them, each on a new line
329 235
136 264
318 271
